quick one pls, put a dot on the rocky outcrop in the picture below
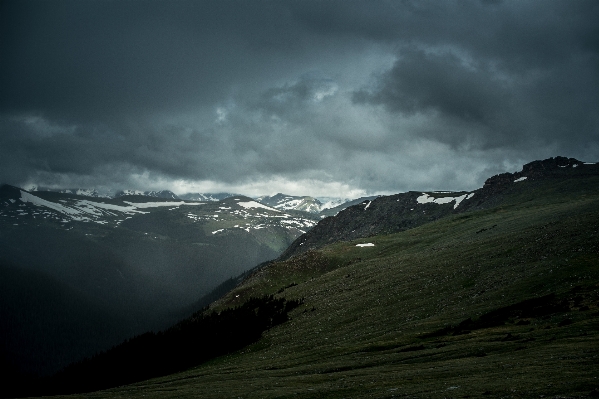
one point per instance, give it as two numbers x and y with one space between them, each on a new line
496 187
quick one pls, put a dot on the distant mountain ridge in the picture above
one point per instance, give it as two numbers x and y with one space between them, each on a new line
166 194
206 196
327 207
331 208
84 192
289 202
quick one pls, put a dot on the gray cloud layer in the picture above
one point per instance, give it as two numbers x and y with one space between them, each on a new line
335 97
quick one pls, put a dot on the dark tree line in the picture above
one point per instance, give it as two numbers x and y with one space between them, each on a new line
189 343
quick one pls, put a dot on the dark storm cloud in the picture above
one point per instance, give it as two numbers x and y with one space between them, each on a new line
422 82
98 59
500 109
377 96
515 81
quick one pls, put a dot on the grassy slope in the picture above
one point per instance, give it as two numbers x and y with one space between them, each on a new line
365 327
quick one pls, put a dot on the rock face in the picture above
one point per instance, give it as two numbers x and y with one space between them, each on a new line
497 186
390 214
552 167
548 168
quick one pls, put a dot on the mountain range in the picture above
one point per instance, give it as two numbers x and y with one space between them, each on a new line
326 206
488 293
167 194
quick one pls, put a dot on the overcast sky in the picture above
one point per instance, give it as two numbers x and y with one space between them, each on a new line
324 98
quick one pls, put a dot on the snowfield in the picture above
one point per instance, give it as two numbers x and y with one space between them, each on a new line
27 197
254 204
427 199
92 211
156 204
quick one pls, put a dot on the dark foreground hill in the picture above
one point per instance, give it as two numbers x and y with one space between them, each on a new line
500 301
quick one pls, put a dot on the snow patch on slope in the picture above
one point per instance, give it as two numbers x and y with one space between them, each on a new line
27 197
427 199
330 202
157 204
254 204
92 211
